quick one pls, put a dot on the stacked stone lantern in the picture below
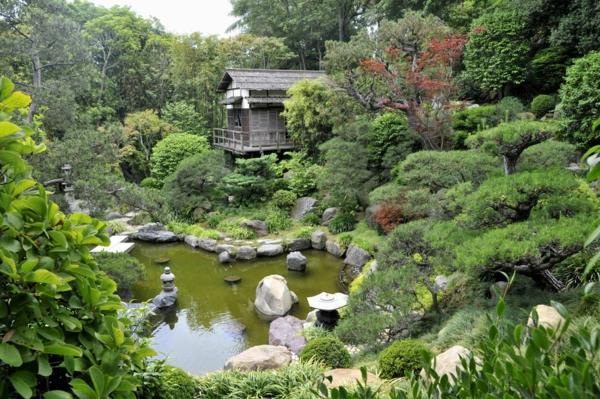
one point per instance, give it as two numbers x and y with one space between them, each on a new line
327 306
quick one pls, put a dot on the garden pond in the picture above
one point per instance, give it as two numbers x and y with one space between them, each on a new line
213 319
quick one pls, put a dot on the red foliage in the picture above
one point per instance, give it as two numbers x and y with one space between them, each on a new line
415 79
389 215
479 30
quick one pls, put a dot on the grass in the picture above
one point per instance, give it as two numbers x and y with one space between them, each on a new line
194 230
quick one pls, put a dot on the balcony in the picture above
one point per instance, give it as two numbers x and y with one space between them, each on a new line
239 142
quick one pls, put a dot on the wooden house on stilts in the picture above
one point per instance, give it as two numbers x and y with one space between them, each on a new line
254 101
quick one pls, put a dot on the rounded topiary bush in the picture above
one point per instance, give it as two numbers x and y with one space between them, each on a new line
170 151
284 199
542 104
401 359
175 383
328 350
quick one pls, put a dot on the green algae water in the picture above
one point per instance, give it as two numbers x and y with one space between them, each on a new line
215 320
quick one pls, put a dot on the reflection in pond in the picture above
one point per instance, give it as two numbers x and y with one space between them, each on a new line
215 320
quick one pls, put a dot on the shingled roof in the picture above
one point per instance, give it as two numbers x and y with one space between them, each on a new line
264 79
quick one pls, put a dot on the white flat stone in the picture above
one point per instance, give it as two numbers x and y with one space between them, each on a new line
117 239
117 248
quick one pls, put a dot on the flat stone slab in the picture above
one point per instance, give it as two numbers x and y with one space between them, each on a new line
232 279
163 260
348 377
117 248
118 238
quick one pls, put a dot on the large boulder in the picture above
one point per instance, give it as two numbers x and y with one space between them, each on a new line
356 257
303 206
273 297
296 261
207 244
348 377
299 244
155 232
334 248
448 362
547 317
327 215
230 249
258 226
269 250
225 257
287 331
261 357
245 252
318 240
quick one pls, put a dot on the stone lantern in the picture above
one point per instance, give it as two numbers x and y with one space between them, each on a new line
168 295
327 306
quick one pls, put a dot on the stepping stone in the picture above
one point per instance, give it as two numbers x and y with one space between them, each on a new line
232 279
162 261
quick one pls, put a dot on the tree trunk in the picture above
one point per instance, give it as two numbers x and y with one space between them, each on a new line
550 279
340 17
510 165
36 66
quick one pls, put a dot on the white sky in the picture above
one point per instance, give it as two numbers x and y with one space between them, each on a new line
210 17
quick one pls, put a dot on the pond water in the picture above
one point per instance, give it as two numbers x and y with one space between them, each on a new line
214 320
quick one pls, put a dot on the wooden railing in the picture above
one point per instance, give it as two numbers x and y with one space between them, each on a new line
253 141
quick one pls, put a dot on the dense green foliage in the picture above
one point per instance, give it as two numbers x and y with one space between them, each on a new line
170 151
547 155
437 170
253 179
175 383
293 381
495 55
184 118
58 312
580 101
401 359
327 350
124 269
195 184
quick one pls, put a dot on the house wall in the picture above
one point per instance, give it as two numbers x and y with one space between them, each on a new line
266 119
238 119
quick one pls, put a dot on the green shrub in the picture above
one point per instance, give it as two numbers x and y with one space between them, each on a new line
401 359
151 182
471 120
390 140
213 219
388 192
580 99
542 104
443 169
184 117
284 199
300 173
312 333
329 351
175 383
116 226
311 219
170 151
304 232
345 239
508 109
341 222
193 229
254 180
194 187
293 381
59 314
548 155
123 268
234 230
278 220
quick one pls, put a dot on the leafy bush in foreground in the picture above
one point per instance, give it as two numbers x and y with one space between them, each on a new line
512 361
342 222
327 350
175 383
401 359
59 319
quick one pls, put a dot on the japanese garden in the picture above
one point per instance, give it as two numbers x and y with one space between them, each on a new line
361 199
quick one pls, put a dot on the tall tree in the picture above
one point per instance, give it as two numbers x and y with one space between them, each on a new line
42 32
